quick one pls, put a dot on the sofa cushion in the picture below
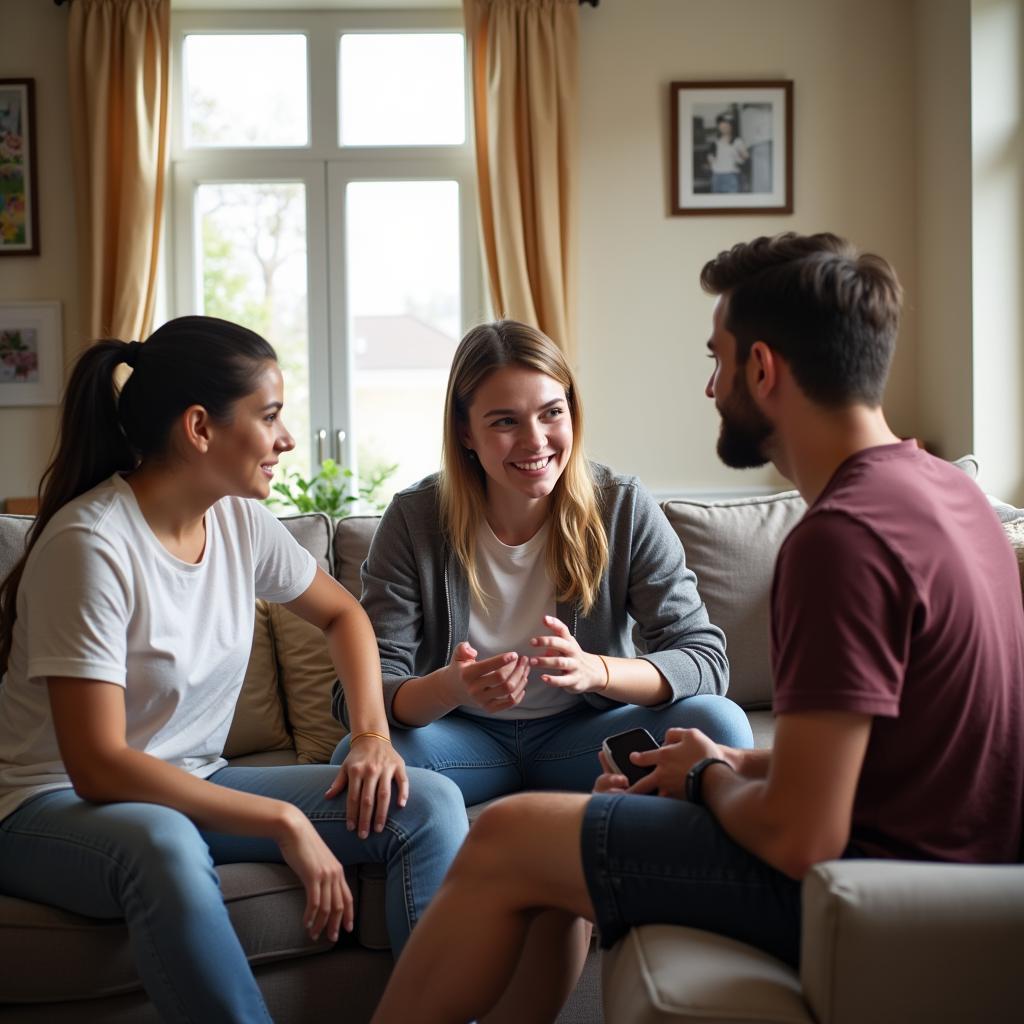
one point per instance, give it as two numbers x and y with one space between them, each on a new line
13 533
969 464
258 723
663 973
351 543
265 902
313 530
731 545
305 672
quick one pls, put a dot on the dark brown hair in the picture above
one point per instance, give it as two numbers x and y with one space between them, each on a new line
830 311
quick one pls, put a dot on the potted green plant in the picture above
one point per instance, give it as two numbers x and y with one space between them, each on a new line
332 489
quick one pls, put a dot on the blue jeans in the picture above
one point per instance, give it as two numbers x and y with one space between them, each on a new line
150 865
655 860
725 181
490 757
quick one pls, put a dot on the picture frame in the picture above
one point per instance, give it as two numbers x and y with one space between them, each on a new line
31 364
732 147
19 195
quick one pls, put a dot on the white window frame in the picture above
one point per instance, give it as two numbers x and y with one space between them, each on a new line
325 167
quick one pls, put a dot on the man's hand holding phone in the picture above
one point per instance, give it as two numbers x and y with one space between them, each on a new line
663 768
616 751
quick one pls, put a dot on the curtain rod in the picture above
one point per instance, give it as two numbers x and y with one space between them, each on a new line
593 3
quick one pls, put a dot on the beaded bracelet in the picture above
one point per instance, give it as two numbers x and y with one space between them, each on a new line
375 735
607 673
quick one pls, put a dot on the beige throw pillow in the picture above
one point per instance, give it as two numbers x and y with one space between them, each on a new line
731 545
258 724
306 674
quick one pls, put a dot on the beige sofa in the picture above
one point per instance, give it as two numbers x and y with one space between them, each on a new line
860 919
60 967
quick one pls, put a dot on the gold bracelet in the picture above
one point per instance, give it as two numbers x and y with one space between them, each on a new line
375 735
607 673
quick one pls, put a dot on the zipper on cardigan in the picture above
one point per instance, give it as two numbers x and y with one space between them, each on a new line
448 603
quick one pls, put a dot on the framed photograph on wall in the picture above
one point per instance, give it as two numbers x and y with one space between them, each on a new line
31 366
19 197
732 147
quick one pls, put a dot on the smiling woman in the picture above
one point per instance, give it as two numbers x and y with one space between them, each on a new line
248 446
503 591
125 631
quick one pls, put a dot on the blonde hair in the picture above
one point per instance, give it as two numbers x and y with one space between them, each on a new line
577 549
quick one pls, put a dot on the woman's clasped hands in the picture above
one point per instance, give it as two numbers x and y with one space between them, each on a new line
493 684
499 682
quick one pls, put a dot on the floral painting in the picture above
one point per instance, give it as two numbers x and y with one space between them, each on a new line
19 355
31 366
19 224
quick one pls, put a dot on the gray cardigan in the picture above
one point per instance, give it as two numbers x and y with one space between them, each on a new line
417 595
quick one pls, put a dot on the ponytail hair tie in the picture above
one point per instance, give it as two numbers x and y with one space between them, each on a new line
130 355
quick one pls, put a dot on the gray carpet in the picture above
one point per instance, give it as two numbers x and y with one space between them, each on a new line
584 1005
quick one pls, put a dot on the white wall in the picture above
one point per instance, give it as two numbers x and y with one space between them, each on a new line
997 147
643 320
33 44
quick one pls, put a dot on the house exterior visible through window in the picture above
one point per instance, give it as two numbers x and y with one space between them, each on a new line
323 195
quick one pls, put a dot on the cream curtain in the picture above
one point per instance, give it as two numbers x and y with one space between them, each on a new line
525 74
119 58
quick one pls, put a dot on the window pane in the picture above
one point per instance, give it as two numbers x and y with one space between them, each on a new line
402 90
404 321
251 266
245 90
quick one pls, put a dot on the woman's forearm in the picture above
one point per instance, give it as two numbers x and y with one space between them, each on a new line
128 775
634 681
353 650
89 720
424 699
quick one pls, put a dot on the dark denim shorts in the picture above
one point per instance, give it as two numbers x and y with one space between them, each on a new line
655 860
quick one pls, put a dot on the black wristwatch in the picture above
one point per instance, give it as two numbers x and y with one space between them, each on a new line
694 776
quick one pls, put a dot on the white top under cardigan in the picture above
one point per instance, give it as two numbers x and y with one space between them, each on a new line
101 598
515 580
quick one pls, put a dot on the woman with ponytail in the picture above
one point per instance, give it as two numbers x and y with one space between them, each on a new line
124 633
503 591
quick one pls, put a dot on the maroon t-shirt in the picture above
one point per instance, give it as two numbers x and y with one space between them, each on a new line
898 596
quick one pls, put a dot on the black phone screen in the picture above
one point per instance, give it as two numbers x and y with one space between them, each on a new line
622 744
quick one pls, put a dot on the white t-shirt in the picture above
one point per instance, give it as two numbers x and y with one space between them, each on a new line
515 579
102 598
725 156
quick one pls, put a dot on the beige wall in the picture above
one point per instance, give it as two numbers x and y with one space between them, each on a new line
33 45
643 319
943 128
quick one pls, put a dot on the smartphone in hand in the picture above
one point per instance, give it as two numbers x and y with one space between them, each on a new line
617 749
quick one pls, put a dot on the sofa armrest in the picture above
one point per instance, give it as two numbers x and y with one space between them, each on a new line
900 942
